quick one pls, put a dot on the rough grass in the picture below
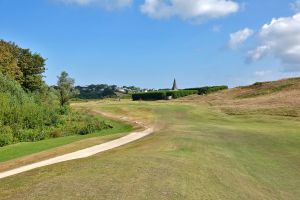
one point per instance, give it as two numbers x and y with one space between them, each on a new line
264 88
27 148
281 98
198 152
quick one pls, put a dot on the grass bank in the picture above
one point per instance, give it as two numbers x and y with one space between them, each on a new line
27 148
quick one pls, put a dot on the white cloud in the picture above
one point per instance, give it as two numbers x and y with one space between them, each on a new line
189 9
263 73
280 38
295 6
258 53
107 4
239 37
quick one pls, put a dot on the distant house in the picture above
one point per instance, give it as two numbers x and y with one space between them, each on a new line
122 90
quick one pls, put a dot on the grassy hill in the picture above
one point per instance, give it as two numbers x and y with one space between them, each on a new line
272 98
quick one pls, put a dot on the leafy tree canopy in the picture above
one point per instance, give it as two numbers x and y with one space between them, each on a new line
22 65
66 88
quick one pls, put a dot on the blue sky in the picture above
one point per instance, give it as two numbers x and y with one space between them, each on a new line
149 42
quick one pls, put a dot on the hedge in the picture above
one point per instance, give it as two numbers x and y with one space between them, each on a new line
209 89
159 95
181 93
162 95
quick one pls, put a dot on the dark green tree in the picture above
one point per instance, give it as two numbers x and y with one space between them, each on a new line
32 67
66 88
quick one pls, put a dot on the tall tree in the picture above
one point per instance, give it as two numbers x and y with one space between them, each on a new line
32 67
9 62
65 86
22 65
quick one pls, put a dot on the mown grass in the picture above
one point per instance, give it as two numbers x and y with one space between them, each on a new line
27 148
199 152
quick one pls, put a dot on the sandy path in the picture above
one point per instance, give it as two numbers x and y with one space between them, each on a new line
82 153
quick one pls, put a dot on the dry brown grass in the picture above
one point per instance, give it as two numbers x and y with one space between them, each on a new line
273 98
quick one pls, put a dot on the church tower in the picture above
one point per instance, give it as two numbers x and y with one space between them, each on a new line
174 85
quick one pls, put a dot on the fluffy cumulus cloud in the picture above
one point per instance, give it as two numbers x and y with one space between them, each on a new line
239 37
107 4
280 38
189 9
295 6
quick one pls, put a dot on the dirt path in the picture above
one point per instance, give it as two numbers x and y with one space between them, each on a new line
84 152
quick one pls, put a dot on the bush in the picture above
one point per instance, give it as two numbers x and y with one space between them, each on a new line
181 93
33 135
25 116
90 127
209 89
6 136
13 88
162 95
56 134
159 95
64 110
87 129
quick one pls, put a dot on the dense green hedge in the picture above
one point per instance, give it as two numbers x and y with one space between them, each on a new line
161 95
209 89
181 93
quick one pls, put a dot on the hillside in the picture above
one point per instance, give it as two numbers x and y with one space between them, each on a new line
274 98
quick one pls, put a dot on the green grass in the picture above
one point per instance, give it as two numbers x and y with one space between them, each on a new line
27 148
198 153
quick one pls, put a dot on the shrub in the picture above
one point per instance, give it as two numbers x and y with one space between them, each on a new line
209 89
87 129
64 110
92 127
13 88
6 136
162 95
159 95
32 135
56 134
26 115
181 93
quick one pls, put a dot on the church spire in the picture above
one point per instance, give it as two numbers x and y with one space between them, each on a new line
174 85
